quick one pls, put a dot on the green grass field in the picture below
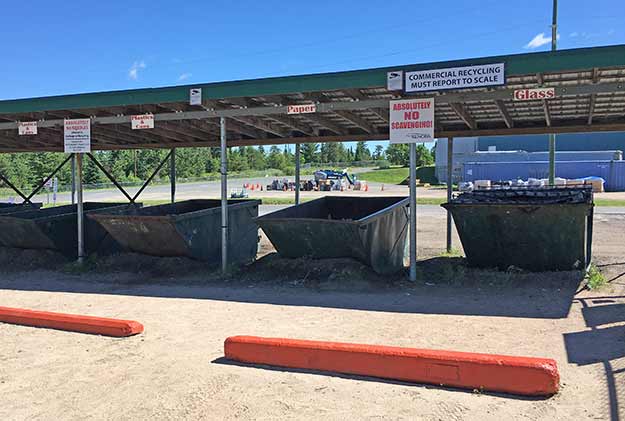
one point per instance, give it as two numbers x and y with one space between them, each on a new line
388 176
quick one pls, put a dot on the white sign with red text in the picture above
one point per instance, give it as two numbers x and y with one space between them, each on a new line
26 128
412 120
534 94
144 121
301 109
77 135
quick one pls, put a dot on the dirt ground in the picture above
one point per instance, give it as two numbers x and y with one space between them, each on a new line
176 370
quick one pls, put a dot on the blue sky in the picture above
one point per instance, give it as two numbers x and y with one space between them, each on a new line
52 48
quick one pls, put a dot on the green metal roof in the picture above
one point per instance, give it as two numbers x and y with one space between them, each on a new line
516 64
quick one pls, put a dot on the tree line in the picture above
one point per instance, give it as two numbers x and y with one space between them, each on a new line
29 169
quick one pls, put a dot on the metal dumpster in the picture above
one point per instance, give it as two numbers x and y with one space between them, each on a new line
370 229
538 229
190 228
57 229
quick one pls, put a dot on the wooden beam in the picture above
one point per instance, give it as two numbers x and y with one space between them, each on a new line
503 110
286 120
463 114
591 110
325 122
262 125
593 97
357 120
547 112
383 114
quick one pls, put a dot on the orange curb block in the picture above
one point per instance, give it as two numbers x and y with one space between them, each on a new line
497 373
70 322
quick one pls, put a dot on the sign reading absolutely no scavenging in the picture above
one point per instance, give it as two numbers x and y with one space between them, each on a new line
77 135
412 120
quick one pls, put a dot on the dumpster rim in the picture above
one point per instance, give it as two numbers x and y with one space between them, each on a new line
404 202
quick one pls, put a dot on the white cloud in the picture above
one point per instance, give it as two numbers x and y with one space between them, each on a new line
573 34
184 76
538 41
133 72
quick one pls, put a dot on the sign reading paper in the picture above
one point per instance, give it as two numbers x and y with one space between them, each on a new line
144 121
26 128
77 135
456 78
301 109
412 120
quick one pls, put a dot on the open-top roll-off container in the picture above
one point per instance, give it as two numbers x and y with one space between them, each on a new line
536 229
56 228
190 228
372 230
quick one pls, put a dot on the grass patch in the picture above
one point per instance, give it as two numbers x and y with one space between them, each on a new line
610 202
452 253
388 176
595 278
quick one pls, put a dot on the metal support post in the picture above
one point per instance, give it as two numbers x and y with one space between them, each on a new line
224 197
413 212
172 174
297 173
552 137
73 179
450 181
79 209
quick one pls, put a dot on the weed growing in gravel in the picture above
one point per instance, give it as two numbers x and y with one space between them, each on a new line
595 278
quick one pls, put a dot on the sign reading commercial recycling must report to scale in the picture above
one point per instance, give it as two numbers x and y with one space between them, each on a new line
412 120
77 135
456 78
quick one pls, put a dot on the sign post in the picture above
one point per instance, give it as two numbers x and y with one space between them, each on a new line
412 122
77 140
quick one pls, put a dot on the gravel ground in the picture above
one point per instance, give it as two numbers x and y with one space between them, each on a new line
175 369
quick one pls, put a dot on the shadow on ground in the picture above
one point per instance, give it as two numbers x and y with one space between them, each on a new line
225 361
446 285
603 342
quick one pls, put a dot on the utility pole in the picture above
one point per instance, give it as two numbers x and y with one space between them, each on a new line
552 137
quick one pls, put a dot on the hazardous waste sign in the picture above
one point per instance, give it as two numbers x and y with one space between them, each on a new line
456 78
77 135
412 120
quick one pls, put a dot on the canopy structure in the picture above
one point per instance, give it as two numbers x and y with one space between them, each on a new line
589 96
580 90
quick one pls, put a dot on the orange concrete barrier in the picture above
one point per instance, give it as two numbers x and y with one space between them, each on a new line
71 322
497 373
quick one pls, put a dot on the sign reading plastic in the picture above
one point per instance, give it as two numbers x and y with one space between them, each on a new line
26 128
456 78
77 135
412 120
144 121
301 109
534 94
195 96
395 80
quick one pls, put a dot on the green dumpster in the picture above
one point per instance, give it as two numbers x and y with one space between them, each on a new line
542 229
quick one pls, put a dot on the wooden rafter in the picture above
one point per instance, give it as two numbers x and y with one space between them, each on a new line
503 110
463 114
